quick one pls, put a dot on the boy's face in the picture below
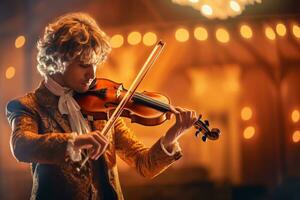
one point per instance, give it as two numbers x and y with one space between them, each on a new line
79 76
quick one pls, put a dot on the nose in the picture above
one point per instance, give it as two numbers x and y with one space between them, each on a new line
91 73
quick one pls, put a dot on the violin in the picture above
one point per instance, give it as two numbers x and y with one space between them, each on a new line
145 108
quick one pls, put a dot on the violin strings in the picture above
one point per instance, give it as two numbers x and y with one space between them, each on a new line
148 99
154 101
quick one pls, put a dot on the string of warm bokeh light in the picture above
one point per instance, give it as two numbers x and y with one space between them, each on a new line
201 33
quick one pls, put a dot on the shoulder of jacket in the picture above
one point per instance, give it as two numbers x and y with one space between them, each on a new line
27 102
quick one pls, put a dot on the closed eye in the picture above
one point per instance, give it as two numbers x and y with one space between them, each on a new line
85 65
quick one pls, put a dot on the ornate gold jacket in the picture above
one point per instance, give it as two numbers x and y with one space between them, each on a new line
40 135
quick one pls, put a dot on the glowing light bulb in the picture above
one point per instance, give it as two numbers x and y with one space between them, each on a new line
134 38
206 10
281 29
246 113
295 116
249 132
296 136
235 6
200 33
296 31
20 41
246 31
116 41
10 72
181 35
270 34
222 35
149 39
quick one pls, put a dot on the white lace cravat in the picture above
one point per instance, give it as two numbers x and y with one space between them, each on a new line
68 105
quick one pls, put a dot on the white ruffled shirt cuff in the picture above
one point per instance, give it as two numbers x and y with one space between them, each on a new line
74 155
176 148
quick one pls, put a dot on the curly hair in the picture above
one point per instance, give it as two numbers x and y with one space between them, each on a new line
71 36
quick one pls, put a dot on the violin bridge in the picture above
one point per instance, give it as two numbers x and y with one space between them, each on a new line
119 90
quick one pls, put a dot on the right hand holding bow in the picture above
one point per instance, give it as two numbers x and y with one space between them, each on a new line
94 141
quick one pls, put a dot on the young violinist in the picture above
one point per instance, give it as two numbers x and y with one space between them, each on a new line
50 132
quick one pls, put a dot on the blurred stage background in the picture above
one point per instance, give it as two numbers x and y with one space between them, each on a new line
241 73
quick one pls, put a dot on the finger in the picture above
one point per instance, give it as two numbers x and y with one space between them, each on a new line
104 137
194 116
173 109
178 117
100 137
103 142
81 142
184 114
186 118
84 146
189 121
103 150
96 147
96 153
104 147
179 109
189 118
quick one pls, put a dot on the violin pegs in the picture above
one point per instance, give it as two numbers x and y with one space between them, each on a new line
199 117
197 133
206 122
204 138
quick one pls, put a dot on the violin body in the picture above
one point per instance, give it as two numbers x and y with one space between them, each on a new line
104 96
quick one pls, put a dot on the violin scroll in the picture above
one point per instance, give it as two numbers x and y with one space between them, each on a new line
203 127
